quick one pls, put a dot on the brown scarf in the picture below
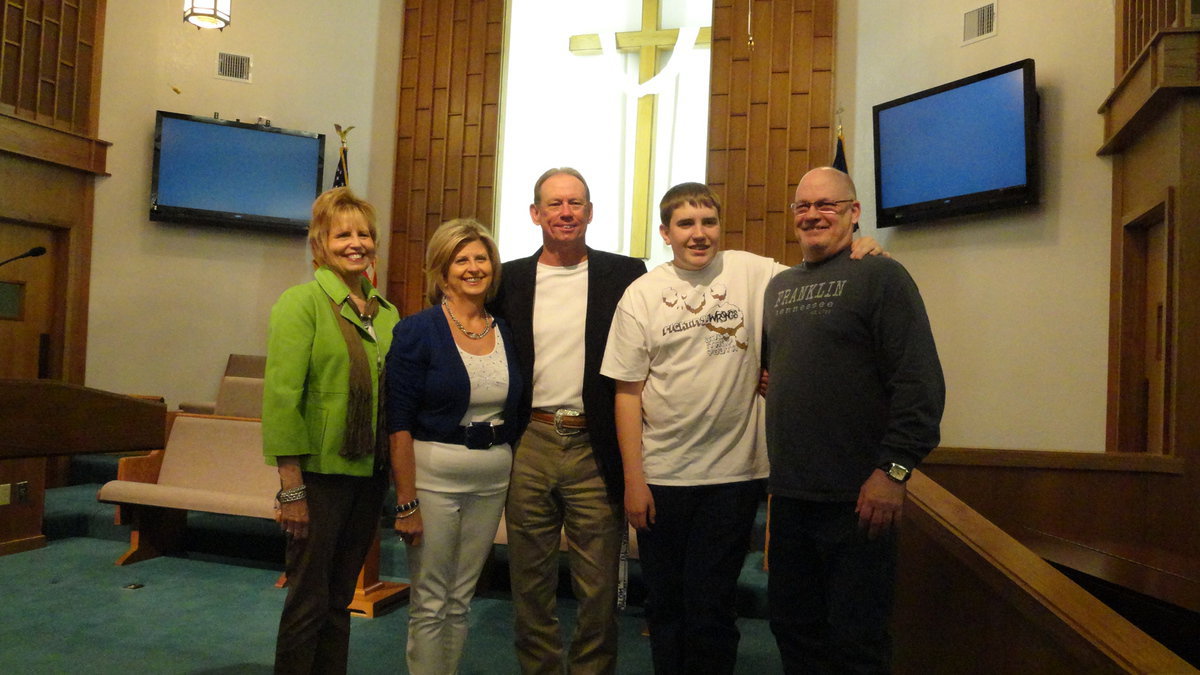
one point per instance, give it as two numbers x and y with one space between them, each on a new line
360 439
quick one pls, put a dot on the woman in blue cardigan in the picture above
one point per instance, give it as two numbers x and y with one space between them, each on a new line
322 428
453 393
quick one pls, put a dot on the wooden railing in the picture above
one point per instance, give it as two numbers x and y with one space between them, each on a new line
1138 21
971 598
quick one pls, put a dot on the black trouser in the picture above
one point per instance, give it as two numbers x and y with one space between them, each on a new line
691 558
343 517
829 589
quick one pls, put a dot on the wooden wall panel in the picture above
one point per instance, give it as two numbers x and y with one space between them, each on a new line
1152 132
449 106
770 117
50 56
48 67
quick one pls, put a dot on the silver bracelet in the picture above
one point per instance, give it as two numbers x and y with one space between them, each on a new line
407 509
291 495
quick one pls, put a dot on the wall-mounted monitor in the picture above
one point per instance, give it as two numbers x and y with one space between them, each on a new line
965 147
217 172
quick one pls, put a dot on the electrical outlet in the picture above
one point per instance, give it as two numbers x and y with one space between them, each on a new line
5 494
21 492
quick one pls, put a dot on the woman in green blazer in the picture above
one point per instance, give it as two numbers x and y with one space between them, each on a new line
322 427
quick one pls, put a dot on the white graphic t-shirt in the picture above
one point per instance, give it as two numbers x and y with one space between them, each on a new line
694 337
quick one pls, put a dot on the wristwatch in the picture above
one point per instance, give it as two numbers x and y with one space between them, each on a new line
896 472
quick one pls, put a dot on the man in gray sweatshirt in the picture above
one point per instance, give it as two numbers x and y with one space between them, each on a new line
854 403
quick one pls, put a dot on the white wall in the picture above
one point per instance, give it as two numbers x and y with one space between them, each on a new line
1018 300
170 302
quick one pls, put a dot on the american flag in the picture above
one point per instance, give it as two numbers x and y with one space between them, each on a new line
341 177
839 152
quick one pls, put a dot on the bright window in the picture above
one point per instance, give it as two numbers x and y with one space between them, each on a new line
567 109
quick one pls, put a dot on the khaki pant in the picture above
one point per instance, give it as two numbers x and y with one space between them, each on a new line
556 484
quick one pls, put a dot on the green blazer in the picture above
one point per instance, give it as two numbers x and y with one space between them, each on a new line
306 389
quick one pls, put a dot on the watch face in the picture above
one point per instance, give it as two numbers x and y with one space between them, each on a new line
898 472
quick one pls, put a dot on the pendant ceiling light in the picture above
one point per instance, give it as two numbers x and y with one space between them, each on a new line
207 13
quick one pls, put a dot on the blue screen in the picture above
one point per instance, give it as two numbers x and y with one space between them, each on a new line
230 169
962 141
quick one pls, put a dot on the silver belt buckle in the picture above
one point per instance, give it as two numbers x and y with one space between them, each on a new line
558 421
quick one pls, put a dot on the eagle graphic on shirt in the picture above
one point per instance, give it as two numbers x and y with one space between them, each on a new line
724 321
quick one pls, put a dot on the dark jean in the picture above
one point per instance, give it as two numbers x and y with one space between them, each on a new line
829 588
691 558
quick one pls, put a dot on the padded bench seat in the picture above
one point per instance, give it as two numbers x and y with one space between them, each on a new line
211 464
189 499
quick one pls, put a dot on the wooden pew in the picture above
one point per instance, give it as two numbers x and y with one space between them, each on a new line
212 464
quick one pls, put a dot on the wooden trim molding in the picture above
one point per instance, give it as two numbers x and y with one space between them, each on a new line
1134 462
48 144
1167 68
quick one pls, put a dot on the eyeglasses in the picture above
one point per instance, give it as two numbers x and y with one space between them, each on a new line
824 206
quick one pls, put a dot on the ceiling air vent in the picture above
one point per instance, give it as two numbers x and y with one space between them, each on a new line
233 67
979 24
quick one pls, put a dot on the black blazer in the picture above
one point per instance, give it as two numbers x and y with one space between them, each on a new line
609 274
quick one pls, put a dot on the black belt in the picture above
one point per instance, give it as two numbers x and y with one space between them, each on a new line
478 435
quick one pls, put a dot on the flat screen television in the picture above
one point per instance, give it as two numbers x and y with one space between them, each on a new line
967 146
218 172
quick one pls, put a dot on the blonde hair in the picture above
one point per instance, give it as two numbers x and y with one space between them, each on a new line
327 207
446 241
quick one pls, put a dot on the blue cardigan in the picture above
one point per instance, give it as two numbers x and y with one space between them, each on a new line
428 389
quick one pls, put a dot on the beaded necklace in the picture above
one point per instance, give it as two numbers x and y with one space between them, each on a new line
474 336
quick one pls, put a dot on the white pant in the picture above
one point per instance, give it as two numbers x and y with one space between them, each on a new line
459 529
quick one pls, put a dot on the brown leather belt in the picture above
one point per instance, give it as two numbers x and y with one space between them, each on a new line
566 421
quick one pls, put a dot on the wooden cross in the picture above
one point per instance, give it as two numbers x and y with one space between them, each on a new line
648 42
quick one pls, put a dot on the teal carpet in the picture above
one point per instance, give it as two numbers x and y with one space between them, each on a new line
67 609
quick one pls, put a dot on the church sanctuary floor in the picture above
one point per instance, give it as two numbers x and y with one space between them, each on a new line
66 609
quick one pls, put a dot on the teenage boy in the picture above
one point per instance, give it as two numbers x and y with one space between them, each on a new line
684 351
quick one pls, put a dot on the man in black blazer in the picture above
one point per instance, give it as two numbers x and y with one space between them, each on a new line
567 468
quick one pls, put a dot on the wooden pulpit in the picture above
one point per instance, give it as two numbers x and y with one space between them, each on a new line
46 418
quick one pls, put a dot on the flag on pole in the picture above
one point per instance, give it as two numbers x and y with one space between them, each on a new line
839 152
839 157
341 178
